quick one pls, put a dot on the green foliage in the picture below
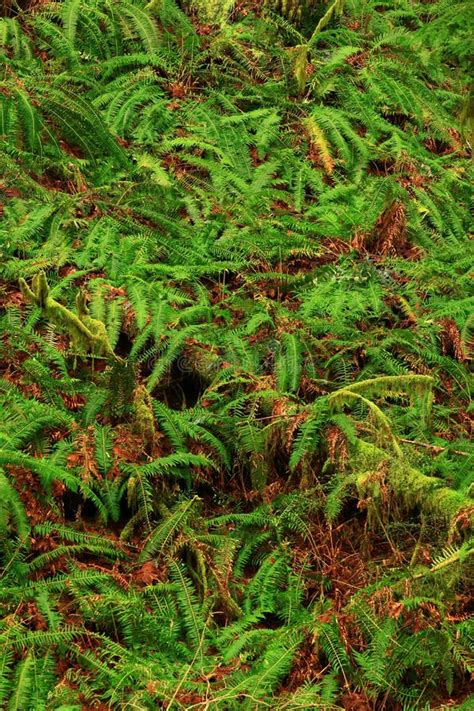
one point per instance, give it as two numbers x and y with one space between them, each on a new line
236 322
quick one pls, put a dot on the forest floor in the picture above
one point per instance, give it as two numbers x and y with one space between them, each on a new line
236 341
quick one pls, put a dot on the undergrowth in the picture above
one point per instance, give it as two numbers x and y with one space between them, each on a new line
236 337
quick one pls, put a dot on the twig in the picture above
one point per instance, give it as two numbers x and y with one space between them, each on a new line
434 447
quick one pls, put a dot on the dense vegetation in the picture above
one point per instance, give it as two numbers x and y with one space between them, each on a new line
236 320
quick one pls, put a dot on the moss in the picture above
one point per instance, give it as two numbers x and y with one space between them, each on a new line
86 333
145 422
415 489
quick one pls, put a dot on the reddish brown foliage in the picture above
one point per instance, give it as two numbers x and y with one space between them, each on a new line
450 338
